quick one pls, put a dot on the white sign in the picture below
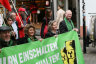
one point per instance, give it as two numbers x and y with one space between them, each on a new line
1 19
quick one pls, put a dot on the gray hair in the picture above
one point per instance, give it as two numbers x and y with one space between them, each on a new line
50 24
11 13
68 11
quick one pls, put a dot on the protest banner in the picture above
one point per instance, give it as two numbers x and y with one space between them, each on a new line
64 49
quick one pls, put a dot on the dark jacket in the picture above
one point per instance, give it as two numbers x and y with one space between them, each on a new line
45 22
6 44
63 27
25 39
50 34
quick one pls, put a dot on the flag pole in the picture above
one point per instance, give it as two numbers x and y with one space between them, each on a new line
16 12
84 29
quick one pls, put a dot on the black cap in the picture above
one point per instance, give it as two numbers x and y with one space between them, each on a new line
5 28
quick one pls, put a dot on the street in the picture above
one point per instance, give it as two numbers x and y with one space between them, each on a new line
90 56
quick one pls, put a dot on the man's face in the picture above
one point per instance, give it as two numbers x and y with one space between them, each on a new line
22 12
5 35
68 15
13 16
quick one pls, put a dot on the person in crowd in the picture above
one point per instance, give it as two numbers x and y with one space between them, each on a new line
5 39
14 24
21 23
34 9
29 35
30 31
8 22
67 24
22 15
52 29
60 14
46 19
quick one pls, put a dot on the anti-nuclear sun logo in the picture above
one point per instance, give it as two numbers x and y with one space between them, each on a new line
68 53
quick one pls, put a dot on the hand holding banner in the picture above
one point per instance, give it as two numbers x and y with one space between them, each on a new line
64 49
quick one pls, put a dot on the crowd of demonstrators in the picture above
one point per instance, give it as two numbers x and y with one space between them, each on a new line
60 14
65 25
52 29
18 31
46 20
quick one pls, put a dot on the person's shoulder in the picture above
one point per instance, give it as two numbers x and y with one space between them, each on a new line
59 11
62 10
35 38
63 21
49 32
17 18
12 43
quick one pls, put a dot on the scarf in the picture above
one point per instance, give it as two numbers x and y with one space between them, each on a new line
33 38
69 25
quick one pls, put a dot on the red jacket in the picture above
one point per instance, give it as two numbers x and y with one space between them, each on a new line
21 30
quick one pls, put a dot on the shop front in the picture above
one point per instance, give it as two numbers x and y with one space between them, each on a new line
35 7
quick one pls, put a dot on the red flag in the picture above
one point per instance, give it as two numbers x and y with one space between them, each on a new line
6 4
